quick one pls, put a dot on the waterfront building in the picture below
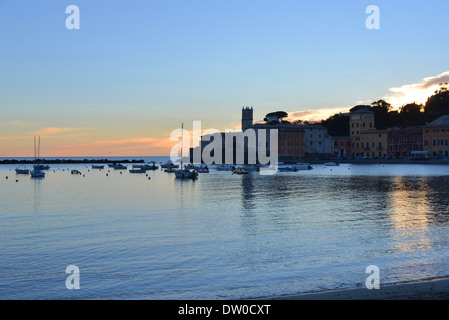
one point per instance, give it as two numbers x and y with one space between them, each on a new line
342 147
436 137
290 140
291 137
403 142
366 141
317 141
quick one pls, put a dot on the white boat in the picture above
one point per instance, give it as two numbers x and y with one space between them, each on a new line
225 167
22 171
41 167
183 173
186 174
169 164
37 172
331 164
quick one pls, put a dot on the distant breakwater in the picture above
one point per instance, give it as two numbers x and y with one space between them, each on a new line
67 161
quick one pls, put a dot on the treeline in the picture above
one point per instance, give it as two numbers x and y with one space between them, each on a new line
411 114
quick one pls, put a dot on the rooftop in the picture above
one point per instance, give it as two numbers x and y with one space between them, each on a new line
442 121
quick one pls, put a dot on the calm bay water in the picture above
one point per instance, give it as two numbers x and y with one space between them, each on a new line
223 236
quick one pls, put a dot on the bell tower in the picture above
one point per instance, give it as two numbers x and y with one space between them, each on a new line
247 118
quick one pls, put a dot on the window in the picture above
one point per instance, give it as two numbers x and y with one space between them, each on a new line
426 143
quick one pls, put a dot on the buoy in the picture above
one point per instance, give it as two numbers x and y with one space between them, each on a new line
106 174
149 178
17 180
6 177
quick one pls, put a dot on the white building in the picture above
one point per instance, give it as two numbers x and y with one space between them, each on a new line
317 141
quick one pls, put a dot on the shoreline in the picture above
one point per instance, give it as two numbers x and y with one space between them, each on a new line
312 162
427 289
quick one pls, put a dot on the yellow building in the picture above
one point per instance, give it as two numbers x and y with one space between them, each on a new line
366 140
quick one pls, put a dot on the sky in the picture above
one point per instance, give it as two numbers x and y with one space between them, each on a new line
135 70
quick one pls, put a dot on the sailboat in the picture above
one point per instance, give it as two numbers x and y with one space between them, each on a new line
184 173
37 172
38 166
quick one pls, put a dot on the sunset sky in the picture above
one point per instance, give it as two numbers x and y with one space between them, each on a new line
136 69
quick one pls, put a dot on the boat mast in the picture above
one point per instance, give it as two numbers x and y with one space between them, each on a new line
182 141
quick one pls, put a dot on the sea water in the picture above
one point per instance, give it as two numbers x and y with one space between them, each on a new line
223 236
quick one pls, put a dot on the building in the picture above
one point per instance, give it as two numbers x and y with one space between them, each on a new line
317 141
290 136
436 136
402 142
290 141
342 147
366 141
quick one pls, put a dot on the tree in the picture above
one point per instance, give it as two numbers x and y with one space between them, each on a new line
278 114
437 105
337 125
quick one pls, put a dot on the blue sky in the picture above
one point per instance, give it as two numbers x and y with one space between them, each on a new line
138 68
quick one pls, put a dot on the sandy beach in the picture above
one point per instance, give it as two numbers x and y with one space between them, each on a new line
432 289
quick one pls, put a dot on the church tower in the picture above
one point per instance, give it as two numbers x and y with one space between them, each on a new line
247 118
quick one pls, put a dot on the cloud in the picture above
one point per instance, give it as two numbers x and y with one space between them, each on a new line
416 92
55 130
315 114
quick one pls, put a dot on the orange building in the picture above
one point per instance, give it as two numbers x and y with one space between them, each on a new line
436 137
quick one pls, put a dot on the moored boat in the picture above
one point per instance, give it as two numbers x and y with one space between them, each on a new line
37 174
239 170
22 171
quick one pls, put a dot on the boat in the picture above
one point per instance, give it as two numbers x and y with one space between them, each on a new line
239 170
331 164
225 167
203 169
137 170
37 172
151 166
169 164
119 166
169 169
303 166
185 173
288 169
22 171
75 172
94 166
